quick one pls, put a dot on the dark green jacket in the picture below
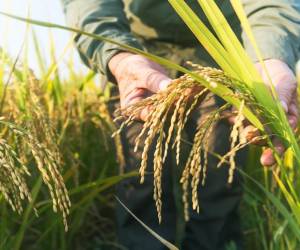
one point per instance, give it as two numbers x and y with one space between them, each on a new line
276 25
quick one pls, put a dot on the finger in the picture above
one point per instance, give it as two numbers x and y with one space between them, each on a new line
286 90
231 119
132 97
164 84
145 113
293 113
191 92
229 116
293 109
293 121
252 134
267 157
155 81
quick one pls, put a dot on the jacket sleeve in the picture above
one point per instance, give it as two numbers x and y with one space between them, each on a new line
276 27
102 17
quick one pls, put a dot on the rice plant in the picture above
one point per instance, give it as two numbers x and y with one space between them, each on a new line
28 124
240 85
56 133
177 104
243 82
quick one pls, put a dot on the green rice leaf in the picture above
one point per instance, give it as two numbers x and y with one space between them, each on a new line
220 90
157 236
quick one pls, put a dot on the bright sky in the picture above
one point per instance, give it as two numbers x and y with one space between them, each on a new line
12 33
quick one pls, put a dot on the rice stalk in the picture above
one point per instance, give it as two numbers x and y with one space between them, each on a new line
29 126
172 108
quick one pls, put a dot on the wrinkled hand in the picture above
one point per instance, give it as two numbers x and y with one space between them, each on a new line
285 84
137 78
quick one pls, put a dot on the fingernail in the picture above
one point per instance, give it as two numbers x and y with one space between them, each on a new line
284 105
164 84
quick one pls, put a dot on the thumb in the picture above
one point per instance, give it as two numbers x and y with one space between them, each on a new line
155 81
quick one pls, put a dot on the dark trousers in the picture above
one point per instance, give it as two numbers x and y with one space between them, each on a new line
216 226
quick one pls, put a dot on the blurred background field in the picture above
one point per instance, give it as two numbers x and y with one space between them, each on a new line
75 108
15 32
49 71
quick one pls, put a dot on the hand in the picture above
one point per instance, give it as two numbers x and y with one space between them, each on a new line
137 78
285 84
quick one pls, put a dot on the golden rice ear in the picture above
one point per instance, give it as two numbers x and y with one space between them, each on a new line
173 108
234 135
42 140
35 136
13 184
196 167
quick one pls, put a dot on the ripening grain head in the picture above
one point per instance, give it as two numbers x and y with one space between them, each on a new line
165 124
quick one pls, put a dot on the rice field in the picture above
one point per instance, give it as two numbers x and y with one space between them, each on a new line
60 148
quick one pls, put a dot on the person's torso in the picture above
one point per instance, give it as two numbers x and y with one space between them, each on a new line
156 19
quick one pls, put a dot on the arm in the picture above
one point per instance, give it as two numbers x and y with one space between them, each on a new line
102 17
276 27
136 76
